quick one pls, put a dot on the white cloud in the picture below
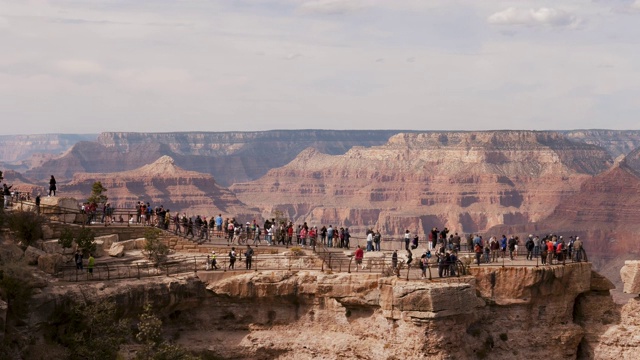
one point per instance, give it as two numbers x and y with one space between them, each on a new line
4 23
331 7
535 17
79 67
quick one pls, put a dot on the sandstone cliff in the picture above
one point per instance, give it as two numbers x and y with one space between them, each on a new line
495 314
467 181
161 183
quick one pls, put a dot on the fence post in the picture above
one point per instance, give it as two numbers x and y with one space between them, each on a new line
138 266
108 275
195 265
349 270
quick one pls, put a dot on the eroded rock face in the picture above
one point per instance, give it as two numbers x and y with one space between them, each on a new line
630 274
489 178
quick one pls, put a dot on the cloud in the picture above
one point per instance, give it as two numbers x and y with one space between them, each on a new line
292 56
535 17
331 7
79 67
4 23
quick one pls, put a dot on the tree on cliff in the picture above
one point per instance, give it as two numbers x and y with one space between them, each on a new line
90 331
155 250
26 226
85 238
97 193
154 346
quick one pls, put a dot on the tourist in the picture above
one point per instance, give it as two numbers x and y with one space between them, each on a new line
529 246
414 243
453 262
219 225
478 251
78 260
577 246
407 239
503 245
424 263
6 192
377 238
409 257
330 236
494 245
323 235
248 256
512 246
52 186
347 238
214 262
369 240
359 255
232 258
269 234
536 246
303 236
434 237
91 263
550 252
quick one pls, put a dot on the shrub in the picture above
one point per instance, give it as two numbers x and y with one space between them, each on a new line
297 251
91 331
16 283
66 238
154 346
504 337
85 238
154 248
26 225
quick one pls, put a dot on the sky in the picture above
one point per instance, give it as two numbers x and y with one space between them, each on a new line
90 66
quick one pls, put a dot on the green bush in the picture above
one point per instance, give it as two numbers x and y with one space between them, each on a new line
85 238
66 238
26 225
154 248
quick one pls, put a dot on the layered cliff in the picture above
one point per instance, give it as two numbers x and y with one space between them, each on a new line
161 183
616 142
468 181
21 147
497 313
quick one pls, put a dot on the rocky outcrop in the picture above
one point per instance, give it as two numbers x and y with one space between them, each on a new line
616 142
163 183
630 274
468 181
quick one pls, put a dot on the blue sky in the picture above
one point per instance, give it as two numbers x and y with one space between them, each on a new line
87 66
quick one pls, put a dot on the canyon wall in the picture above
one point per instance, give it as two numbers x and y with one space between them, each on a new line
162 183
467 181
498 313
21 147
616 142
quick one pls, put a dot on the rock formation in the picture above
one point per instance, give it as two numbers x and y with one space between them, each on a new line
468 181
616 142
21 147
229 156
161 183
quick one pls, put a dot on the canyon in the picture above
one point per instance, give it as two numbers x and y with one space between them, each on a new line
493 313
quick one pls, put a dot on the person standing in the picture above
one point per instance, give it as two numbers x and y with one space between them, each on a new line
91 264
52 186
394 259
248 256
38 204
407 239
6 192
369 240
78 260
214 262
359 255
232 258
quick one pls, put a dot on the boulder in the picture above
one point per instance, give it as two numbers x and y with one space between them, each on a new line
134 244
47 232
116 250
108 240
52 247
62 209
32 254
50 262
100 248
10 251
630 274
